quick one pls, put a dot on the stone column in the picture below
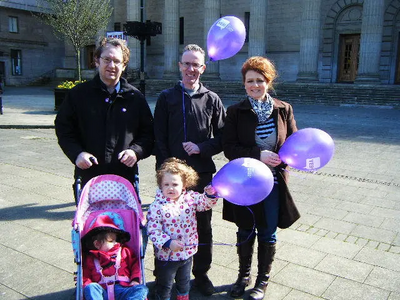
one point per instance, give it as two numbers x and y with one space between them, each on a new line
257 30
133 14
371 41
212 11
309 41
171 39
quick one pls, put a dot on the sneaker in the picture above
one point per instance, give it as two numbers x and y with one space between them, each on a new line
204 285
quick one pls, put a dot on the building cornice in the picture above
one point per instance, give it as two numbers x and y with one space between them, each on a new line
27 5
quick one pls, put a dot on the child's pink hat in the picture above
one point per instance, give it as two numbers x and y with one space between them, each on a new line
111 222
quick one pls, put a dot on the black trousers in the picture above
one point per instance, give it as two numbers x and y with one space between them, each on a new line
203 258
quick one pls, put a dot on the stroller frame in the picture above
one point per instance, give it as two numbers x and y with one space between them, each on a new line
107 193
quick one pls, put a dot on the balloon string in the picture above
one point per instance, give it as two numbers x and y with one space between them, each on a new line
222 244
184 115
296 174
210 60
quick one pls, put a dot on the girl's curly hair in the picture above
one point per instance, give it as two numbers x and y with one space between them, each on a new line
174 165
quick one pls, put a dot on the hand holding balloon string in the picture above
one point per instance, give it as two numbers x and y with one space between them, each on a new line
270 158
228 244
211 191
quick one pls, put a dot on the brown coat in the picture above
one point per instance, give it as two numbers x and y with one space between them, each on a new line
239 141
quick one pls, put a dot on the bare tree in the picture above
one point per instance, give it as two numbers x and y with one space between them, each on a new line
78 21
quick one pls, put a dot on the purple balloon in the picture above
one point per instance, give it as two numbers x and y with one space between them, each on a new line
244 181
225 38
308 149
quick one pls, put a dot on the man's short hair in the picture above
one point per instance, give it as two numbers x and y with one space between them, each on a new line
195 48
116 43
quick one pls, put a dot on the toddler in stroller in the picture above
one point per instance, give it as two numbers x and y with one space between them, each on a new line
107 241
108 265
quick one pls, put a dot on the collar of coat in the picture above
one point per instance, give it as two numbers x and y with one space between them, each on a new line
201 91
125 87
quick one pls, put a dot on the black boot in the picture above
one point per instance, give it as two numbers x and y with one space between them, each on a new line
266 253
245 252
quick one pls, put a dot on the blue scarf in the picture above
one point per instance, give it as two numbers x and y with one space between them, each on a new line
263 109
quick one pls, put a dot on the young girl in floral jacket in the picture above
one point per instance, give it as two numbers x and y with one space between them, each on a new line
172 226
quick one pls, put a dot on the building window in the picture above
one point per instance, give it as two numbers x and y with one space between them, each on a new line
117 26
181 30
16 62
247 25
13 24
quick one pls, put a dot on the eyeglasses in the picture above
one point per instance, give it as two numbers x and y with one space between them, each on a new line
187 65
108 61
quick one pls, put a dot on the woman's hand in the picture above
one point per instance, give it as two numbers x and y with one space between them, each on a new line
270 158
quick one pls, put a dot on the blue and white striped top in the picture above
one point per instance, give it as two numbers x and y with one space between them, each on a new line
265 134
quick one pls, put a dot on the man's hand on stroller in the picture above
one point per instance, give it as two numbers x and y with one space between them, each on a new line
85 160
128 157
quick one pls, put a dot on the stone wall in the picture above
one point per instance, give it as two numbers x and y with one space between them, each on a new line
41 51
301 93
283 20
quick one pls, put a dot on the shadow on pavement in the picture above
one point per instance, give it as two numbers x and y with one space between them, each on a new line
62 295
40 112
33 211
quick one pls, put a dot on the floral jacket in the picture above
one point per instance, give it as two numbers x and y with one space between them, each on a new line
168 219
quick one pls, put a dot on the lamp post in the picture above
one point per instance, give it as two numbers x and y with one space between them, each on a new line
142 84
141 31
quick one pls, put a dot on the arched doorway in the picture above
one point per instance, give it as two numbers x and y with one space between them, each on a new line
349 51
341 37
348 29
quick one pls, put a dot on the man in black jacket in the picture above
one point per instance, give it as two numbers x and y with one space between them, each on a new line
188 122
105 125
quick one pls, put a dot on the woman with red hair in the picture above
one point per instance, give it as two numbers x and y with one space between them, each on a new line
257 127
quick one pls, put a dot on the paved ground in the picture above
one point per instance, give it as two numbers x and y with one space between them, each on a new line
345 246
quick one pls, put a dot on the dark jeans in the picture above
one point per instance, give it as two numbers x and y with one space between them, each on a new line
166 272
203 258
266 233
94 291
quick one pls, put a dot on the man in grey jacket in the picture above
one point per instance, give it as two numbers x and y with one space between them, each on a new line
188 122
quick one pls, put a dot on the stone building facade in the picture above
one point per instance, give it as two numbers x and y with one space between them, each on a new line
310 41
326 41
29 51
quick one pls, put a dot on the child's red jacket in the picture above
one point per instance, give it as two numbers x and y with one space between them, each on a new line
130 266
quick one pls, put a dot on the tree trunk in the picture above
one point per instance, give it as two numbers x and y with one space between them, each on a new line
78 63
